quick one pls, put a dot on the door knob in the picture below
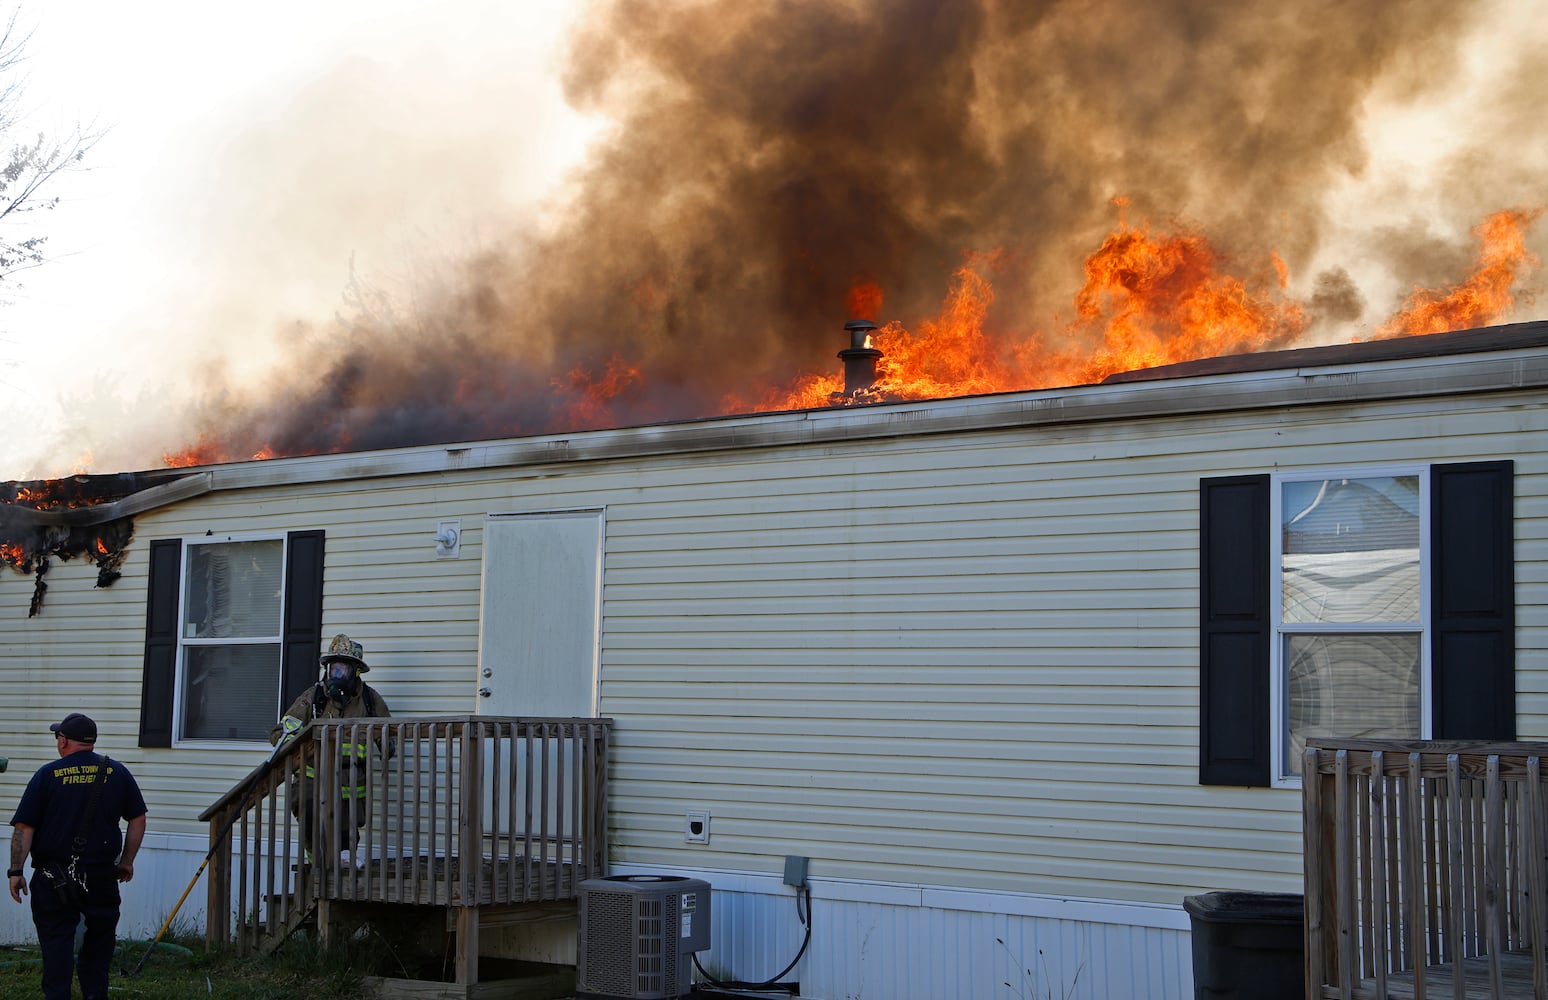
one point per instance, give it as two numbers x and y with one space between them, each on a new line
484 692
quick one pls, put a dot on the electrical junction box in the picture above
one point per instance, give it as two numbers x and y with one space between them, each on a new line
696 827
638 934
795 870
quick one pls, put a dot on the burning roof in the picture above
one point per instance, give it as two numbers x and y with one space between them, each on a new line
92 516
64 518
1436 345
1018 196
1150 297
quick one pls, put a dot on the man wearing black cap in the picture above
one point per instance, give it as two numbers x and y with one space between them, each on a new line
67 820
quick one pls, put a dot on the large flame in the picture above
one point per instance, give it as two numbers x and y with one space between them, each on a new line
1150 296
207 451
1157 298
757 170
589 398
1489 292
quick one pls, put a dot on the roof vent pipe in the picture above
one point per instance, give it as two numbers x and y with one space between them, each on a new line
860 357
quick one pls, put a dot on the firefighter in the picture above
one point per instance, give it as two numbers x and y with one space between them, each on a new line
68 820
338 694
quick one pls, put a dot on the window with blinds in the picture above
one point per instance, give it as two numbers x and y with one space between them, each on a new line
1349 650
230 638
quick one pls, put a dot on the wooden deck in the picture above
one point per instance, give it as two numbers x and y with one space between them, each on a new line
1516 980
484 817
1426 867
428 881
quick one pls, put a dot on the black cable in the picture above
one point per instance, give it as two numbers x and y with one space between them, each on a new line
774 979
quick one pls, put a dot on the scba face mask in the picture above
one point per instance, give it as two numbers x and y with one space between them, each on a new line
341 680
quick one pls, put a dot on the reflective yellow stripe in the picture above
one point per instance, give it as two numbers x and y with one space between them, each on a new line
347 791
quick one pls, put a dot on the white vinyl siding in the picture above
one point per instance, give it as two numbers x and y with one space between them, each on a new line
964 659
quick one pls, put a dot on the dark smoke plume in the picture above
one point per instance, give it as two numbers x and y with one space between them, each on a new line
770 154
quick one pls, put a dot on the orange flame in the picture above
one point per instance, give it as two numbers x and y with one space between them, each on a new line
202 452
951 355
1156 299
42 498
1483 296
594 395
1149 297
209 452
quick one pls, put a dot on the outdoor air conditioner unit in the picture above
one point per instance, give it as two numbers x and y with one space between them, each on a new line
638 934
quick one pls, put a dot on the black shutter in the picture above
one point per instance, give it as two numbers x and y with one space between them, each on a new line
160 672
1234 631
1473 601
303 614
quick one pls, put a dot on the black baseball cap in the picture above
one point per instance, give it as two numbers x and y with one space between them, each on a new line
77 727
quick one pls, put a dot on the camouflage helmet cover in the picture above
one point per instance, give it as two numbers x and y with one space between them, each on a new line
344 648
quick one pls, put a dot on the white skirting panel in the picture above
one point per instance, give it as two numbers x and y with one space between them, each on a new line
891 942
162 870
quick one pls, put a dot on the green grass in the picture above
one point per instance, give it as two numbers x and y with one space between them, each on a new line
183 970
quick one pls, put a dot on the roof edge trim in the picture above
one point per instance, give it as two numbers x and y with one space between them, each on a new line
184 488
1333 384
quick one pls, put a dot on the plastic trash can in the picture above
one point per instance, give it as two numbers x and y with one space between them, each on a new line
1248 945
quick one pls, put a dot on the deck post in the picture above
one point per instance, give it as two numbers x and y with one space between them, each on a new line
218 888
1379 955
1342 855
1537 877
1458 858
470 839
467 945
1311 834
1413 862
1494 873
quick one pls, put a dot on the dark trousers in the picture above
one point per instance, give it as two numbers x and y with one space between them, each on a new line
56 921
338 833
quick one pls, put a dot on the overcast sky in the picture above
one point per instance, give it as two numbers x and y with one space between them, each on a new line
251 154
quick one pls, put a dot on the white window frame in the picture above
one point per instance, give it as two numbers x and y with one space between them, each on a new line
1278 680
183 643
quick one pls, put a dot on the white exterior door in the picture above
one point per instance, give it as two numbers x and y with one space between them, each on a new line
541 598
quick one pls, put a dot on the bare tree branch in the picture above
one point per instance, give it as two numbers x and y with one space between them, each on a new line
30 164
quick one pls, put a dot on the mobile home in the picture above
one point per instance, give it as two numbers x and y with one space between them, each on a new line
1014 673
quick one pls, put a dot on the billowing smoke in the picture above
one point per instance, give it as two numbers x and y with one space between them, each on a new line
769 155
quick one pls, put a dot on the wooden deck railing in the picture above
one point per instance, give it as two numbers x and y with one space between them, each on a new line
1425 869
460 811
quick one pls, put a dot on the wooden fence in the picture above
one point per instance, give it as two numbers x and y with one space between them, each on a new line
1425 869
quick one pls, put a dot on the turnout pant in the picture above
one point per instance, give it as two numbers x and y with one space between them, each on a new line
332 831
